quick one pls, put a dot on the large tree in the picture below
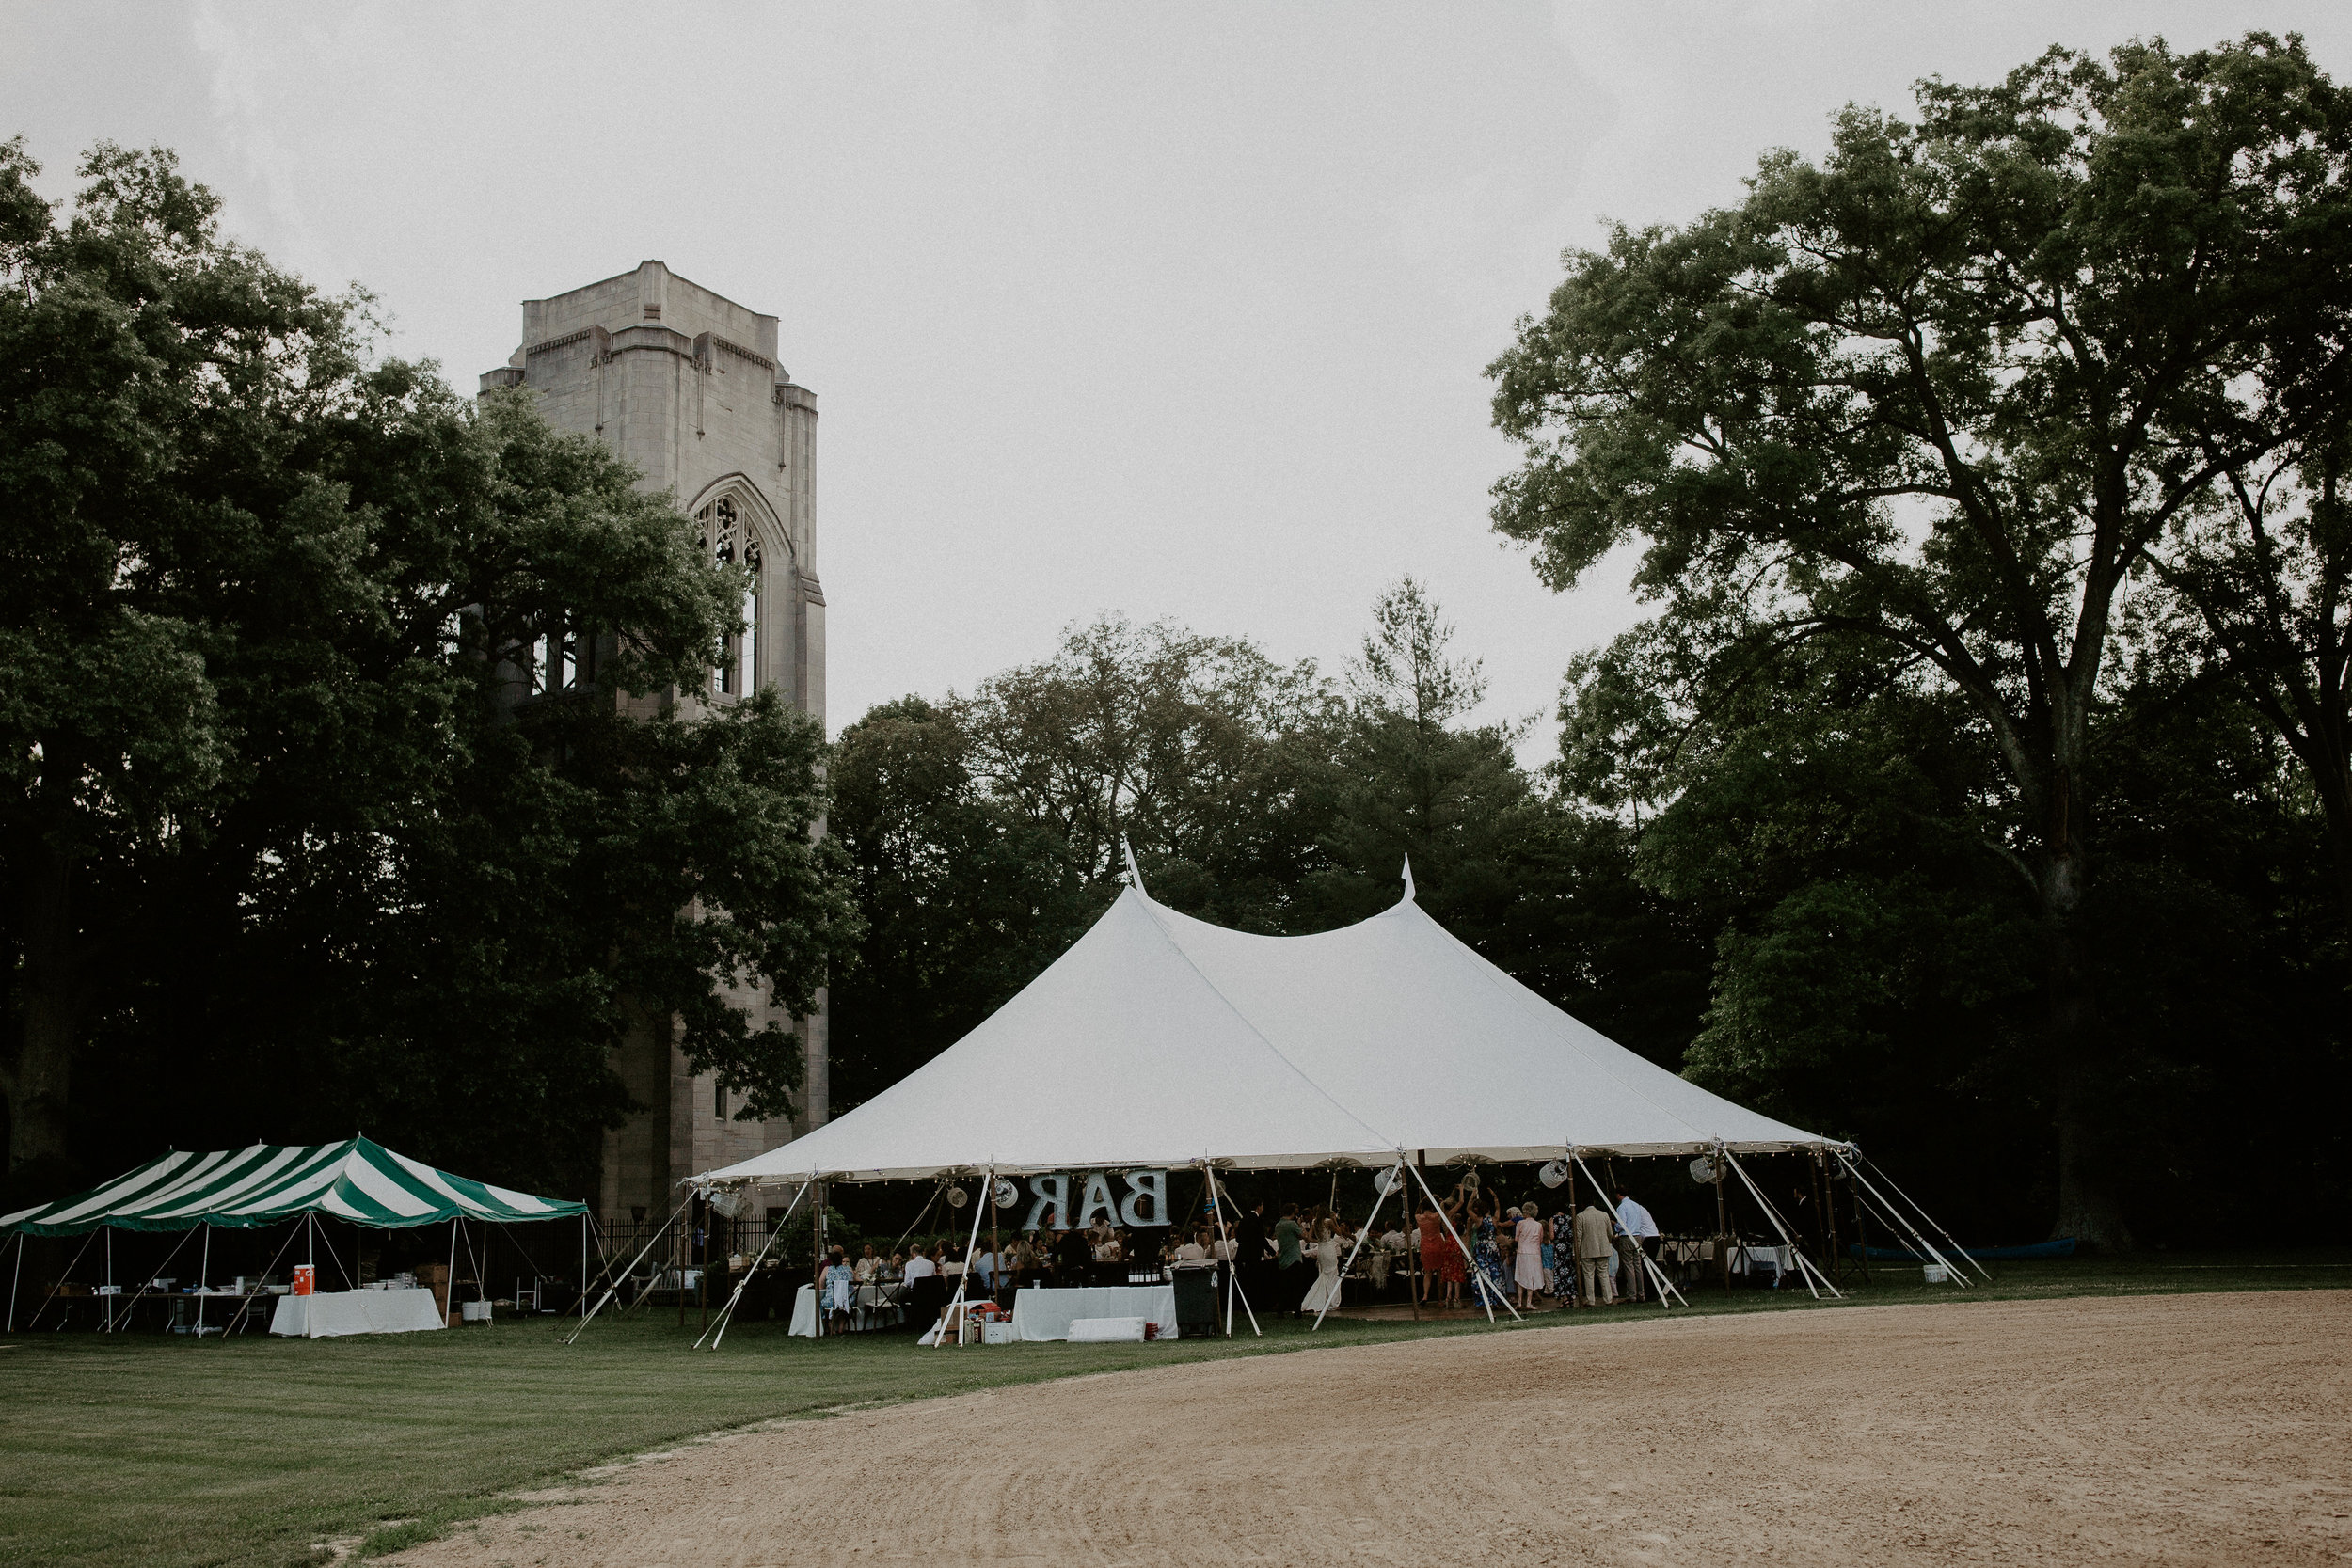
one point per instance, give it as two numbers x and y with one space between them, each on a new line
302 821
2264 578
985 829
1947 391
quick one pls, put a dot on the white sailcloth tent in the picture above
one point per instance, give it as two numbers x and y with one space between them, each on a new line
1158 1040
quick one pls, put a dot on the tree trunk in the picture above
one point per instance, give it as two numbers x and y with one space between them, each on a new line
2087 1208
2331 781
41 1073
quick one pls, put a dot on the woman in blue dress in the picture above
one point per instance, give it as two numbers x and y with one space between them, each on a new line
1493 1283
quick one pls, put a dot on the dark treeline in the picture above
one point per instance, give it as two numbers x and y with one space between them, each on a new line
1980 787
1813 923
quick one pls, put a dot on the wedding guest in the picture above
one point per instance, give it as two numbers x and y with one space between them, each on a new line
1251 1248
838 1290
870 1265
1073 1260
927 1295
1637 1238
1595 1246
1290 1261
1527 1270
1441 1255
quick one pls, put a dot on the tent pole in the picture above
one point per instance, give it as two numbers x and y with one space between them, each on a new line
964 1280
16 1280
140 1294
203 1279
1414 1273
1722 1230
775 1234
583 1266
817 1245
110 1276
1470 1262
1378 1199
623 1275
1577 1287
1895 1217
59 1285
477 1263
1829 1248
1957 1250
1233 1267
350 1275
1862 1258
1656 1275
1804 1266
247 1305
449 1299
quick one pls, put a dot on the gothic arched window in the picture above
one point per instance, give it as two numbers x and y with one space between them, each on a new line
731 540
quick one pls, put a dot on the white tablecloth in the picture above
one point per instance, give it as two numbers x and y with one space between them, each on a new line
804 1312
1782 1260
1039 1313
335 1313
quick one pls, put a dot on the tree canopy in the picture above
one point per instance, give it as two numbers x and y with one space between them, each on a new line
299 834
1947 394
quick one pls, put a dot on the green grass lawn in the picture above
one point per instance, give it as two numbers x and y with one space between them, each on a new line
163 1451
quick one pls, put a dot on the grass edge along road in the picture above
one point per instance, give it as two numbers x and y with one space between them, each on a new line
153 1450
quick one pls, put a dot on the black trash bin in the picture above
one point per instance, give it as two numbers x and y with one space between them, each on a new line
1195 1302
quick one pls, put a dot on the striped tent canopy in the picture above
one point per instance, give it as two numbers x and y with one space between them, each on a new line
243 1188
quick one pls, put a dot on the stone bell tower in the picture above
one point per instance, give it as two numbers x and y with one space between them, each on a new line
685 385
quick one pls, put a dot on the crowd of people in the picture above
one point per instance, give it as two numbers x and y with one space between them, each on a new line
1595 1257
1288 1258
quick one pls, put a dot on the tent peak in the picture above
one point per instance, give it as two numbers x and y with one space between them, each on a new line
1408 879
1134 874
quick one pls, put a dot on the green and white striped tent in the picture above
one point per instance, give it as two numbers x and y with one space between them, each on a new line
245 1188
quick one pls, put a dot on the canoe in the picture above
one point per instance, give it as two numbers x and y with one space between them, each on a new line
2062 1247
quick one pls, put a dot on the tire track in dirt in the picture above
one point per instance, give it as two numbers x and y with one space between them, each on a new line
2171 1429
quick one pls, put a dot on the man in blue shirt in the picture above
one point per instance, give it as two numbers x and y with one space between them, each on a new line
1636 1238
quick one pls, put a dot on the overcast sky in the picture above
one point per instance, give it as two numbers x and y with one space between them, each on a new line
1180 310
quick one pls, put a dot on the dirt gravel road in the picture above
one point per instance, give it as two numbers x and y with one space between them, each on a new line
2198 1429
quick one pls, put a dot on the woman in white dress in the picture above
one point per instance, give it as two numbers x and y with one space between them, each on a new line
1324 1293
